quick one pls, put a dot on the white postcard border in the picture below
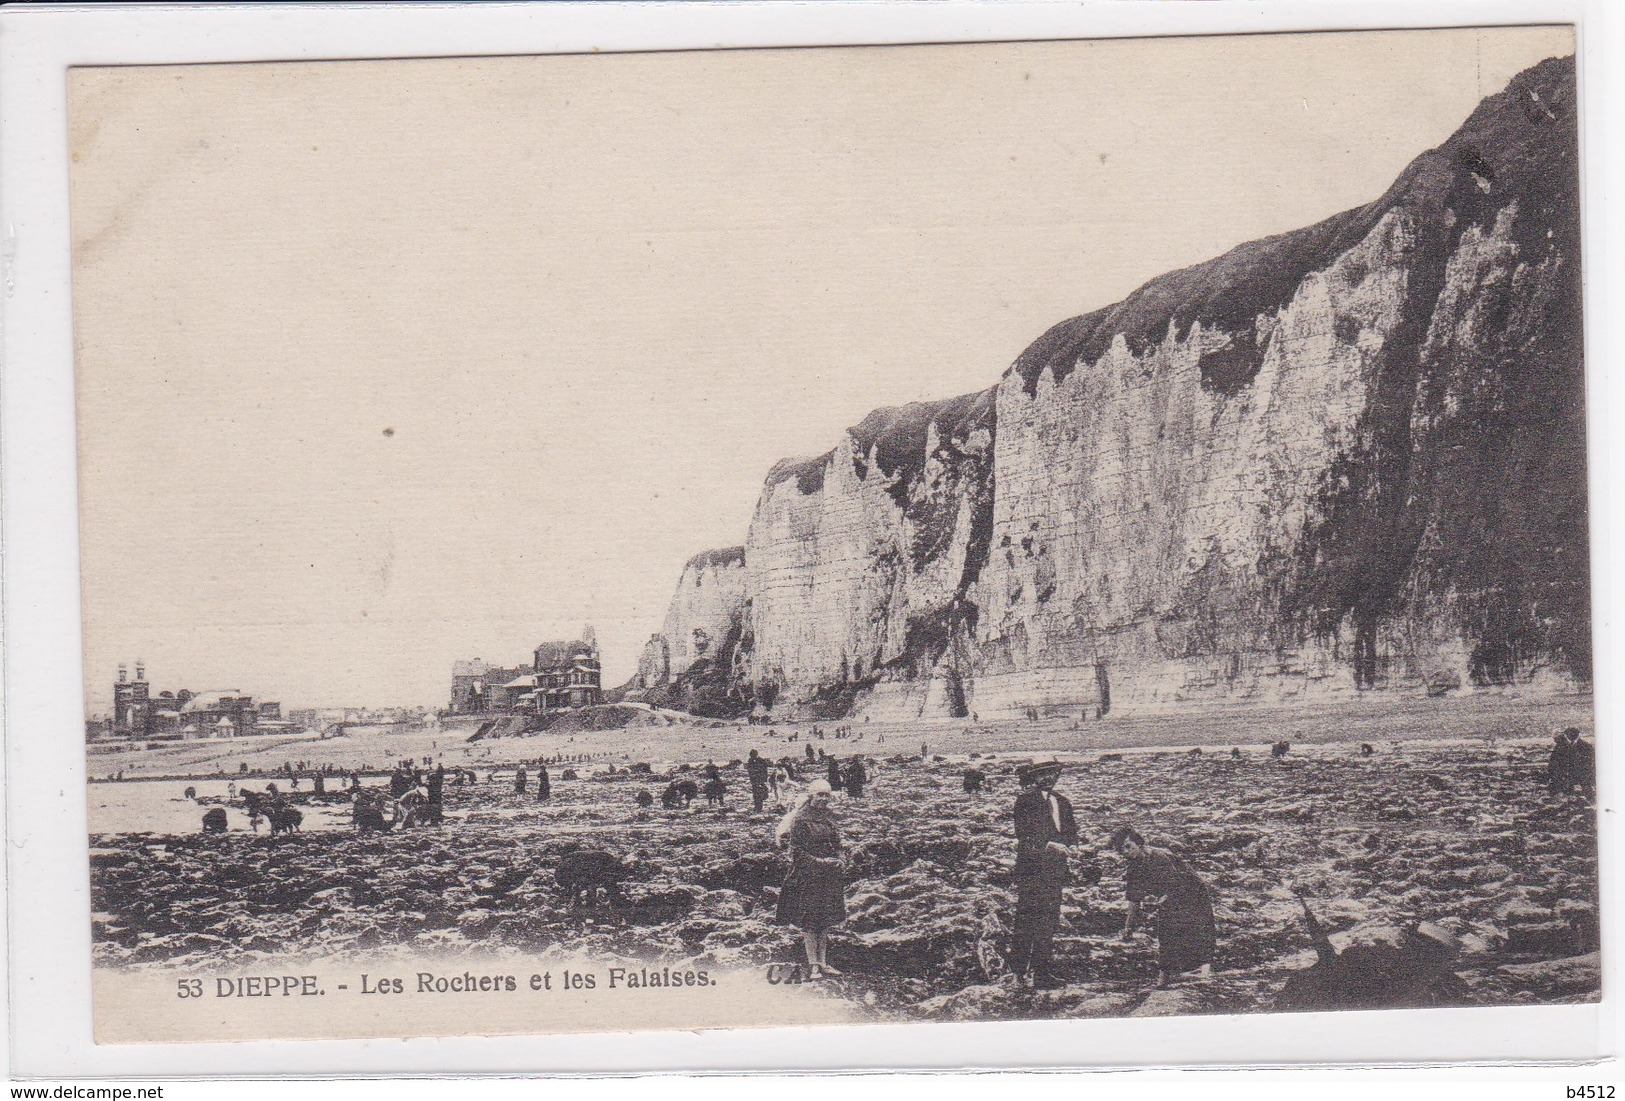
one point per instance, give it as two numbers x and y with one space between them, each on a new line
48 964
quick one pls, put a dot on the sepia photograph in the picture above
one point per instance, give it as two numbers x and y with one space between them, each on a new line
979 532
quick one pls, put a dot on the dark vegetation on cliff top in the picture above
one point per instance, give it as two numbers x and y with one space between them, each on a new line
722 556
896 435
1260 277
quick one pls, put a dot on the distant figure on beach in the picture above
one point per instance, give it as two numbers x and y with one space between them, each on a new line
1280 749
809 748
973 780
925 751
1235 753
813 897
231 792
1181 904
756 769
834 773
1045 830
318 785
519 780
710 771
437 789
544 784
856 776
1573 764
716 792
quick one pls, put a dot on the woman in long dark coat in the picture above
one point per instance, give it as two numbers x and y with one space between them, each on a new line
1183 906
813 897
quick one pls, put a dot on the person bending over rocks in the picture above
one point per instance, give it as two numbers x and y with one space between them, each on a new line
813 897
679 793
855 776
1181 902
716 792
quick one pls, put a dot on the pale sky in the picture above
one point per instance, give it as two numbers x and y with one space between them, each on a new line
386 364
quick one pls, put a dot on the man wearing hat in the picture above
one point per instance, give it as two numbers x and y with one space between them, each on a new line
1045 829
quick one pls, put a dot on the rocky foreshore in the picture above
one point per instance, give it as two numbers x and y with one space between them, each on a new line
1464 836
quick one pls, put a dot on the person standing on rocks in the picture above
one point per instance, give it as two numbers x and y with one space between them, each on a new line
756 769
1183 906
519 780
1573 764
835 783
1045 830
813 897
544 785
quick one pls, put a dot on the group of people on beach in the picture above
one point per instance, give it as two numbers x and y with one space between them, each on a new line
1162 890
1163 893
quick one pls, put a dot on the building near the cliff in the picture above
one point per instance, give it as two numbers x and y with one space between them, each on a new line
562 674
478 688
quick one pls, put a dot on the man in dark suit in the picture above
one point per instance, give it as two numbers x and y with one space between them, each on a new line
1045 829
1573 764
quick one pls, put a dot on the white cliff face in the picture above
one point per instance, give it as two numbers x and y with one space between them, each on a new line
1140 516
703 619
1151 533
823 576
1342 460
839 571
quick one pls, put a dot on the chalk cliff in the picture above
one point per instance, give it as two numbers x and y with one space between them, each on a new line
690 663
1349 458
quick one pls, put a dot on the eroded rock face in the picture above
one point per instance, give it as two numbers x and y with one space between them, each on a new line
1349 458
858 561
704 617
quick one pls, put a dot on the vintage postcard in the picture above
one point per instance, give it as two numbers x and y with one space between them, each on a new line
985 532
